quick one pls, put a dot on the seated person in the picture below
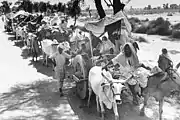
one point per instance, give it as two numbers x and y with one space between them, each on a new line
164 61
106 46
127 58
83 50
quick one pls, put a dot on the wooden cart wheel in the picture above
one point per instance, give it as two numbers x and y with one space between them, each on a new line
82 86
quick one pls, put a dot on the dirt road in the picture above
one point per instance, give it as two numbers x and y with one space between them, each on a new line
28 92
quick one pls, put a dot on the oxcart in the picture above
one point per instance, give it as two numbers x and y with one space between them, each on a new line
83 63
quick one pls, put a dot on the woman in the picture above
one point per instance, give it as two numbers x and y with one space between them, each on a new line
127 58
129 63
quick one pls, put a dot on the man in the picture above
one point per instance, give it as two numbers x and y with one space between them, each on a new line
164 61
164 66
63 26
60 71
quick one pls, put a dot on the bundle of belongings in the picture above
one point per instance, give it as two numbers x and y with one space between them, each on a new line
140 75
109 24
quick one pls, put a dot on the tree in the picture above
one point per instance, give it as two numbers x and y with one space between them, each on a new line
59 7
63 7
100 9
117 6
73 9
28 6
166 6
42 7
54 8
173 6
35 7
158 7
149 7
6 7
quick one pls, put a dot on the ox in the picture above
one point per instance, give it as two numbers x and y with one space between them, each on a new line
32 45
49 47
20 31
55 21
106 89
59 36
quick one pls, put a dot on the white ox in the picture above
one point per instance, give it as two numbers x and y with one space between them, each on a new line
49 47
106 89
29 38
20 31
55 21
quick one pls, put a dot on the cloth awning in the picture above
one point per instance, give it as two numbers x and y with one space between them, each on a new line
98 27
21 12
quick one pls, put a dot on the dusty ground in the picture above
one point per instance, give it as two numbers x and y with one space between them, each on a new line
28 92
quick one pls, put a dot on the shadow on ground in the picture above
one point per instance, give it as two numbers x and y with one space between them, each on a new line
48 71
170 39
27 55
36 101
11 38
41 101
10 33
19 43
127 111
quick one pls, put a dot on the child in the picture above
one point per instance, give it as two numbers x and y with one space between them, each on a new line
60 58
164 61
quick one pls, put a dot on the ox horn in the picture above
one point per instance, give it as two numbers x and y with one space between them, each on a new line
106 78
124 81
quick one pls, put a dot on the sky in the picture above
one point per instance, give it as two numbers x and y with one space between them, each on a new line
153 3
136 3
133 3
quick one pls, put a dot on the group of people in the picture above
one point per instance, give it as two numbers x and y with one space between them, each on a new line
128 57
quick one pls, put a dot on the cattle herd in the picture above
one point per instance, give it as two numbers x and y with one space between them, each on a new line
42 34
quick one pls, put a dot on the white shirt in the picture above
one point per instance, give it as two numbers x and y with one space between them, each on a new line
60 59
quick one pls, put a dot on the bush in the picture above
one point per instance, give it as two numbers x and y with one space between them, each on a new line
156 27
146 20
176 26
134 20
151 31
176 33
142 29
142 39
159 21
